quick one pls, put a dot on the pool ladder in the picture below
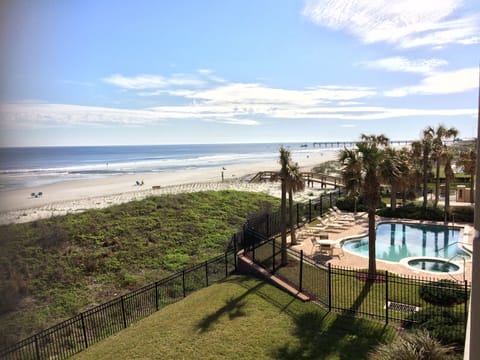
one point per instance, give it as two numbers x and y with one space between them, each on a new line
449 261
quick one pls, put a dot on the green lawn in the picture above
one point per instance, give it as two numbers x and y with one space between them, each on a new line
242 318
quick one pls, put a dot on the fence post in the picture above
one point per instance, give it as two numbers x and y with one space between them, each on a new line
206 272
329 287
330 198
267 220
37 350
309 210
253 251
386 297
321 205
156 295
244 241
183 284
123 312
226 264
301 271
235 251
274 266
84 330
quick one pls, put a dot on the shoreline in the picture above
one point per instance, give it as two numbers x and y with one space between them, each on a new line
73 196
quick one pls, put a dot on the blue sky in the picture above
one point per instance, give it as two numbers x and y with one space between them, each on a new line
84 72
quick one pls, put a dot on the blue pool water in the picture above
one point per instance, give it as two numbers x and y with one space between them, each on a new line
396 241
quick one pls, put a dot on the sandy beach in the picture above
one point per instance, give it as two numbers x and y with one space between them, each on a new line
79 195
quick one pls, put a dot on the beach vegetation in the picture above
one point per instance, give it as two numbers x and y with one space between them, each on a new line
52 269
417 345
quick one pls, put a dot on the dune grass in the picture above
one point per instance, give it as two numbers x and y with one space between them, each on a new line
54 268
243 318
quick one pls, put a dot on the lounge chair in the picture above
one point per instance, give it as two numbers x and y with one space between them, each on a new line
329 222
342 214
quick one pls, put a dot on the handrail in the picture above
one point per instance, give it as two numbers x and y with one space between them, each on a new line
449 261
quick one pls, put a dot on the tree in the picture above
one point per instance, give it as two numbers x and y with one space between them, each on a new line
448 155
283 175
352 170
390 174
294 183
366 158
467 160
438 147
423 149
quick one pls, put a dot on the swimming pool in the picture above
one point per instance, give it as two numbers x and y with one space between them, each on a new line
396 241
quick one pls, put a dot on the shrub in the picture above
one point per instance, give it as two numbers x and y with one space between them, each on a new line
414 211
443 292
418 345
462 213
445 324
348 204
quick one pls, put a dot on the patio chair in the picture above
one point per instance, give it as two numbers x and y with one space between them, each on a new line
342 214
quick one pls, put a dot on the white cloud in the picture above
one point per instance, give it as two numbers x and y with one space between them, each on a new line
137 82
450 82
402 64
407 23
241 93
61 115
146 81
245 104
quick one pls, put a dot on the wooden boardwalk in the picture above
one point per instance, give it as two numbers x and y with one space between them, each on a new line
310 178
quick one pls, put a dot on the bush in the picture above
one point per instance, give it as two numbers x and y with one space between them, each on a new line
414 211
462 213
445 324
443 292
416 345
348 204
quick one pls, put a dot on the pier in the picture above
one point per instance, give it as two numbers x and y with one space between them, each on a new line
341 144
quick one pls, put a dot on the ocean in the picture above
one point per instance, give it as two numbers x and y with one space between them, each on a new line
35 166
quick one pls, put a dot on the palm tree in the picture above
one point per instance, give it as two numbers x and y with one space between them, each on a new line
294 182
283 175
352 170
409 175
423 149
467 159
390 173
448 156
367 158
440 135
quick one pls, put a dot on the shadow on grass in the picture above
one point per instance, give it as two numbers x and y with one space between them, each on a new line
328 335
233 308
324 335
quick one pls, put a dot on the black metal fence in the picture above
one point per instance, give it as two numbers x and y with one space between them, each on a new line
78 333
346 290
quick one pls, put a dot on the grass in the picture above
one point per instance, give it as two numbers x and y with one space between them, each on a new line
349 292
52 269
243 318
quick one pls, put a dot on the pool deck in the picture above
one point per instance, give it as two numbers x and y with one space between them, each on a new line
360 227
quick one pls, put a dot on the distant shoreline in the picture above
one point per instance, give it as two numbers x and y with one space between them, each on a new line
79 195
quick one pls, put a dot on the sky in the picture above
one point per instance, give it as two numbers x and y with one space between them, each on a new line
100 72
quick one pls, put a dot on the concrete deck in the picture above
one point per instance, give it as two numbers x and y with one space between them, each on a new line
360 227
